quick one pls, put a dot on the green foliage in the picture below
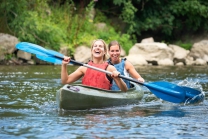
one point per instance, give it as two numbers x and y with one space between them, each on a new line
37 29
109 33
126 43
128 15
166 18
100 17
52 23
186 46
194 11
31 21
8 56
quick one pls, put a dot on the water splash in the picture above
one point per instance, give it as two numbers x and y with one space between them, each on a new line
190 83
195 85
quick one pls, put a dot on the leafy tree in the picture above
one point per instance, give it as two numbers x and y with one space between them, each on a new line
166 18
52 23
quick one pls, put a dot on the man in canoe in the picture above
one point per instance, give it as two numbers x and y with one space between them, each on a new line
122 65
92 77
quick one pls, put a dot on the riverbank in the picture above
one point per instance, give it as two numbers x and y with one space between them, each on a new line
147 52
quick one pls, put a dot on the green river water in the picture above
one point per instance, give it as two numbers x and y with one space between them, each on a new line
28 108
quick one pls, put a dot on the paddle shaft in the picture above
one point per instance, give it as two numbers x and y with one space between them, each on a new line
86 65
101 70
169 91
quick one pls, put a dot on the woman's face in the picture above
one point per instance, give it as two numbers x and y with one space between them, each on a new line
98 49
114 53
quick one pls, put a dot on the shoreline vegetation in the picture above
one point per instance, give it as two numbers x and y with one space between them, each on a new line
69 27
147 52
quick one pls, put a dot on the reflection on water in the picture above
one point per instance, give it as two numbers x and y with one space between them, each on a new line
28 108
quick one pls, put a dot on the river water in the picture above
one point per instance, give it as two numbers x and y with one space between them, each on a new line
28 108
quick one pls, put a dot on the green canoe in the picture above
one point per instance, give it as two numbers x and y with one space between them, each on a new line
80 97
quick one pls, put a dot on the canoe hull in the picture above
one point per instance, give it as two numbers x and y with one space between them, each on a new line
80 97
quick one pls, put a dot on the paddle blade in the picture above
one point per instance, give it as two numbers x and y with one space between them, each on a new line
25 46
191 92
167 91
36 49
193 95
164 90
29 50
50 59
54 53
174 93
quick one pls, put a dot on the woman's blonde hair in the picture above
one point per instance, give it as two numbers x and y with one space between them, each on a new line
105 48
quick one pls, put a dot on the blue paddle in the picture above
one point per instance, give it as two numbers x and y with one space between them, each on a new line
164 90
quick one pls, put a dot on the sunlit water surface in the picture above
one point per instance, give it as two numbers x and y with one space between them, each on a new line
28 108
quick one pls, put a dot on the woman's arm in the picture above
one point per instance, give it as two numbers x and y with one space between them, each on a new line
67 79
120 83
132 71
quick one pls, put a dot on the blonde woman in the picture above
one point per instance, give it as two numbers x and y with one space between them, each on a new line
92 77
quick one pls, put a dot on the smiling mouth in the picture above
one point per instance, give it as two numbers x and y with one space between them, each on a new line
97 52
115 56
